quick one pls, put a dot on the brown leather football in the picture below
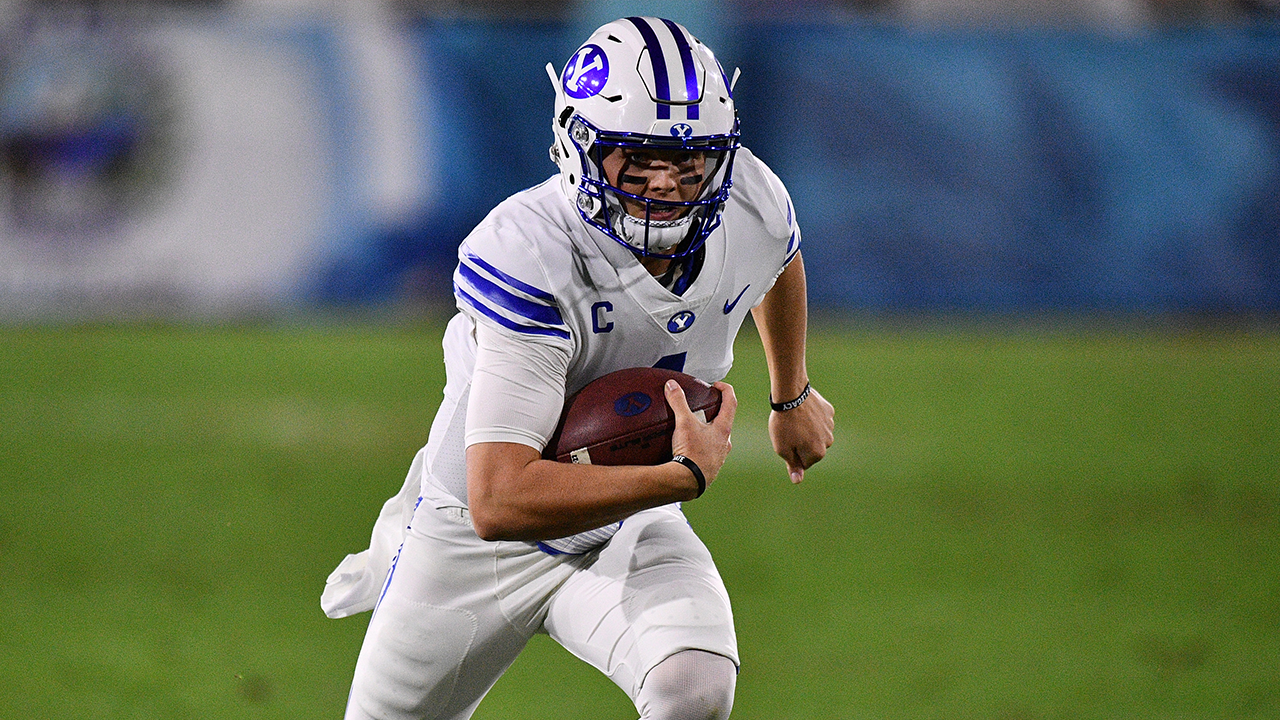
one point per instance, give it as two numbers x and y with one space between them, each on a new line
623 418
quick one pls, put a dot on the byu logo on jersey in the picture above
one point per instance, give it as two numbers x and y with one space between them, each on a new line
631 404
586 73
682 130
680 322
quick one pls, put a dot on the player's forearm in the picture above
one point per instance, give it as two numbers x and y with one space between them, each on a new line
542 499
782 321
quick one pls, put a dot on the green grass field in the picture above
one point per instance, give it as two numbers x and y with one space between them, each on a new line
1014 525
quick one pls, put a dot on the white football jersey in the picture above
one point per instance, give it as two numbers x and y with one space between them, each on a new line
534 271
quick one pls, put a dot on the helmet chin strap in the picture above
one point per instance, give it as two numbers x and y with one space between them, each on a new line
663 235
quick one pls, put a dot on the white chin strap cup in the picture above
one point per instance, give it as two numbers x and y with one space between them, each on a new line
662 234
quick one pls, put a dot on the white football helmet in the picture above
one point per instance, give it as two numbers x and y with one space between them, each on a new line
643 82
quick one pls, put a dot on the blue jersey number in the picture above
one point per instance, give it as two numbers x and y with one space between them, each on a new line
672 362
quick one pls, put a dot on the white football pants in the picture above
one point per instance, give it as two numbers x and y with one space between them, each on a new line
456 610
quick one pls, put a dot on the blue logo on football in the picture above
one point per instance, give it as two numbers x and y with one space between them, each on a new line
632 403
586 73
680 322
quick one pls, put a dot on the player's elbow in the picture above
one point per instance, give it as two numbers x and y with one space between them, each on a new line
487 532
496 493
488 525
493 522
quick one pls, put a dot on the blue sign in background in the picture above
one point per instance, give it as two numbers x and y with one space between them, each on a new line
1029 171
1005 171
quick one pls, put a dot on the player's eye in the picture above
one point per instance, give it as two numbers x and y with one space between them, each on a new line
642 159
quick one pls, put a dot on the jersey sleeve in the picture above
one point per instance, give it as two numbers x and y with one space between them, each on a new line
780 218
793 240
501 282
517 389
771 203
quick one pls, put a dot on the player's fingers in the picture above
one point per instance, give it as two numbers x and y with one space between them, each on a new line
813 452
795 468
728 403
676 399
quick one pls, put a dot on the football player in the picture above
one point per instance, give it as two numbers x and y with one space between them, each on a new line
657 237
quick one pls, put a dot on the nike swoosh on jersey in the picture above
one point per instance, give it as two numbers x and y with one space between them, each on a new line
729 306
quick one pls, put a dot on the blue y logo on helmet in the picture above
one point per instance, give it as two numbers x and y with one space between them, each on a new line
682 130
680 322
586 73
632 403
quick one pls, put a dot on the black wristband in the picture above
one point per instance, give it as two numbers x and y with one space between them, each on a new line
697 473
793 404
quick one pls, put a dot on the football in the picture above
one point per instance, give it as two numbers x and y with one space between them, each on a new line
623 418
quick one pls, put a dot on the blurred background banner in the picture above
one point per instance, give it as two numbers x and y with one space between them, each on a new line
211 162
1026 171
224 159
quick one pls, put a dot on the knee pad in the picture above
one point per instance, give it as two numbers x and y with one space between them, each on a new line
690 685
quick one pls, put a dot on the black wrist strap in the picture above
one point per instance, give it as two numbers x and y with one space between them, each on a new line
697 473
793 404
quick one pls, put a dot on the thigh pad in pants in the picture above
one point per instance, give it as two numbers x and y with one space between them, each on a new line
652 592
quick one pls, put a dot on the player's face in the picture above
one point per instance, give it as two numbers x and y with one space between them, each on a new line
672 175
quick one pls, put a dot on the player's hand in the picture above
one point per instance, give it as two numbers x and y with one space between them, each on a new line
707 444
802 435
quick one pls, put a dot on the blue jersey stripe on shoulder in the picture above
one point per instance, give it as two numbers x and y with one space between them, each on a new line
501 297
514 282
505 321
